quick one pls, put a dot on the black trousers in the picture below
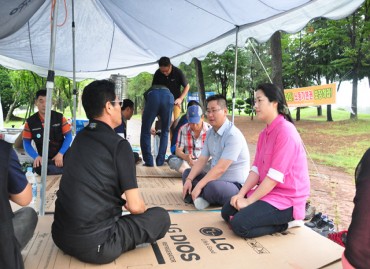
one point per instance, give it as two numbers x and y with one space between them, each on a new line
129 231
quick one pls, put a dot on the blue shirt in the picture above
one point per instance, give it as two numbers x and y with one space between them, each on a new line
17 180
228 143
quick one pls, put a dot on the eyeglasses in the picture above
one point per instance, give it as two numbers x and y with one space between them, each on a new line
119 102
213 111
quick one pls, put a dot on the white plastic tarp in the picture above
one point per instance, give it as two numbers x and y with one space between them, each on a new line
129 36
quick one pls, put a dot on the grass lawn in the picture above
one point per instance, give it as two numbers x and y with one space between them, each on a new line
340 143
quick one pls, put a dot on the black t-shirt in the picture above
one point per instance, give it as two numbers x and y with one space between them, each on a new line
98 168
173 82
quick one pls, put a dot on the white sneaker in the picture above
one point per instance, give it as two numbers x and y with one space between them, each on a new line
201 203
295 223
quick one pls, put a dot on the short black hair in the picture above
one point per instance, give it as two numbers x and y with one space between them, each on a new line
96 95
127 103
164 61
221 100
41 92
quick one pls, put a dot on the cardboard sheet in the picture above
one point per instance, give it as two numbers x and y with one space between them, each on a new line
164 192
160 171
52 186
200 240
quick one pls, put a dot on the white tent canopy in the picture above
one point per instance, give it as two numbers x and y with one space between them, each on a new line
129 36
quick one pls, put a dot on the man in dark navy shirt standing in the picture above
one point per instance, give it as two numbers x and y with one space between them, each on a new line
98 183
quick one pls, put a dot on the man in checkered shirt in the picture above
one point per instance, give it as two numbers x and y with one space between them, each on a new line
190 140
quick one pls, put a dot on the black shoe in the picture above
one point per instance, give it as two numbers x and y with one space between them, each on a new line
324 226
149 165
310 211
188 199
313 222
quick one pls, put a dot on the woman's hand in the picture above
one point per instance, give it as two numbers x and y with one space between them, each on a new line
241 203
234 199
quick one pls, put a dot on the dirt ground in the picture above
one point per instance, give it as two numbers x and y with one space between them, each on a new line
332 189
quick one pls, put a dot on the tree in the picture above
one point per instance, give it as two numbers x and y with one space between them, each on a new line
137 86
23 91
219 70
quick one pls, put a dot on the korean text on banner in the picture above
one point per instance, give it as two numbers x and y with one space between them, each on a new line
311 96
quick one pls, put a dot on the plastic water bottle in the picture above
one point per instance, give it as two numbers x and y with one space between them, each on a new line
32 180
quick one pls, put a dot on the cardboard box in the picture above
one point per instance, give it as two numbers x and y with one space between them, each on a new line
200 240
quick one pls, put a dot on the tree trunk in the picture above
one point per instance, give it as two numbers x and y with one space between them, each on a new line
319 111
298 114
329 116
200 83
354 96
10 112
277 62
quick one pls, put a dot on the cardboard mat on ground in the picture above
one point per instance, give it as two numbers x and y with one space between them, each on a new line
52 186
156 171
200 240
164 192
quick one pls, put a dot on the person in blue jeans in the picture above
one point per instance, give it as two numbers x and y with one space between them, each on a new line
159 102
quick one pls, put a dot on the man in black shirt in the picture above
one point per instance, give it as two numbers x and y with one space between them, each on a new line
173 78
127 110
98 182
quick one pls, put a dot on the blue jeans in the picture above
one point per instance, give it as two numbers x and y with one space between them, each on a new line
159 102
217 192
257 219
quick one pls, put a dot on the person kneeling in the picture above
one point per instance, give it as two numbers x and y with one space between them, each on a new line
274 195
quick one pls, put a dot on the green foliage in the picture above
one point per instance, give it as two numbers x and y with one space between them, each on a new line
239 105
137 86
248 106
219 71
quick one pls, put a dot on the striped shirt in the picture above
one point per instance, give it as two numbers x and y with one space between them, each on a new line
188 142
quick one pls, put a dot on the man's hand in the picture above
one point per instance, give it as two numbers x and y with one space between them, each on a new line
58 159
37 162
178 102
186 189
191 160
196 191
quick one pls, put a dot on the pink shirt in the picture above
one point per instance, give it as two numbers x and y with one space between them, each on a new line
280 155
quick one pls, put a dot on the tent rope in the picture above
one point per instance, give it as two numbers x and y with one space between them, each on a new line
308 154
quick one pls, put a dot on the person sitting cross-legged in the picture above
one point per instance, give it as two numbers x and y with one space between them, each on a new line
98 184
16 228
127 110
190 140
227 147
60 137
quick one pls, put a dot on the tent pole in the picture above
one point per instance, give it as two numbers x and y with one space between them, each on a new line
49 93
74 109
235 71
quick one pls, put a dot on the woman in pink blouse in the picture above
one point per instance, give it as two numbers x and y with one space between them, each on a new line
274 195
